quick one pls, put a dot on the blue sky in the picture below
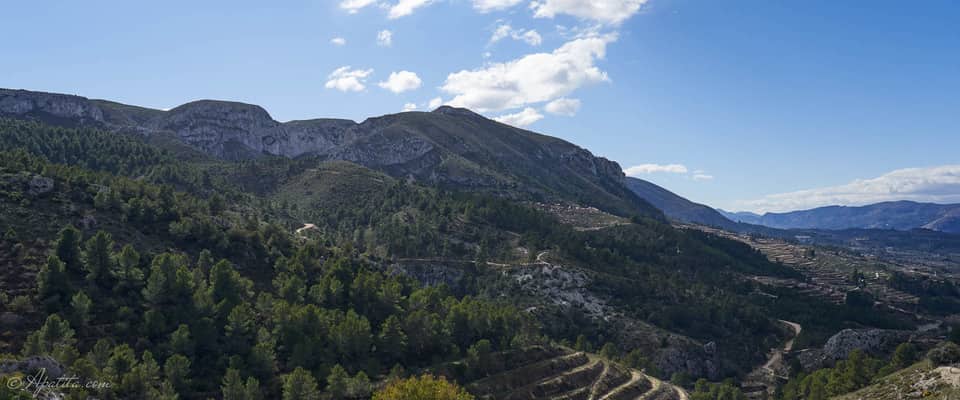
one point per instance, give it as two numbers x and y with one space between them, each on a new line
760 105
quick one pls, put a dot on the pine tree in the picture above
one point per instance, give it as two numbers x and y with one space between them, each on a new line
300 385
81 306
181 342
233 387
97 260
52 284
358 386
128 274
479 357
392 341
252 389
51 338
176 370
337 382
904 355
227 288
68 248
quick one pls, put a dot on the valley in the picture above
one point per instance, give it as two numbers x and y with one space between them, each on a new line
519 268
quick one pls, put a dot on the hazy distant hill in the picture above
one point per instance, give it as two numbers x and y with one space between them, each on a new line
746 217
677 207
899 215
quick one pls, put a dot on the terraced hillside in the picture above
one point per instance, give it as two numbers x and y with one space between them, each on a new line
828 272
559 373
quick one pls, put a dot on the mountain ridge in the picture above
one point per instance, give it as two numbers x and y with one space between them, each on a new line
449 146
902 215
678 207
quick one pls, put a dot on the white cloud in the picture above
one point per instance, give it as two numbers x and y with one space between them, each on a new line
346 79
533 78
563 106
385 38
532 38
504 31
643 169
353 6
338 41
400 82
435 102
501 32
409 107
521 119
612 12
406 7
934 184
702 177
485 6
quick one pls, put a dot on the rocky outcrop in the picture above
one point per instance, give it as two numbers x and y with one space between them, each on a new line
39 185
839 346
62 106
222 129
51 367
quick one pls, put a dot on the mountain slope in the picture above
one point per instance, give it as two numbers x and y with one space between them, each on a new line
677 207
898 215
448 147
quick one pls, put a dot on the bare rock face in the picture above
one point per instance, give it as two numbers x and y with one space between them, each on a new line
17 102
39 185
223 129
839 346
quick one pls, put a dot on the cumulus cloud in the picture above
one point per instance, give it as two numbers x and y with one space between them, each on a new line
406 7
409 107
385 38
934 184
485 6
353 6
563 106
533 78
504 31
338 41
521 119
611 12
645 169
400 82
435 102
346 79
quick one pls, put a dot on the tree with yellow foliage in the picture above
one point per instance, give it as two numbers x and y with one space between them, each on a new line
425 387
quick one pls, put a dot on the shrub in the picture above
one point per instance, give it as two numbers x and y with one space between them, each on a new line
21 304
945 353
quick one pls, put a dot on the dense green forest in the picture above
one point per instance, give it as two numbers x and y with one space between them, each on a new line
171 278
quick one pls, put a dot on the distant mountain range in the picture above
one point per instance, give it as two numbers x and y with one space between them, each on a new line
899 215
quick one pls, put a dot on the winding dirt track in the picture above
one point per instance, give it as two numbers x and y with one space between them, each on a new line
776 355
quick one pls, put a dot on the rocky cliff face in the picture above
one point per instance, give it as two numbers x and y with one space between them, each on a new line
450 146
62 106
